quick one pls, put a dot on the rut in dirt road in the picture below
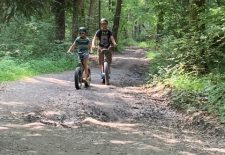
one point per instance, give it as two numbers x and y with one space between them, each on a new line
47 115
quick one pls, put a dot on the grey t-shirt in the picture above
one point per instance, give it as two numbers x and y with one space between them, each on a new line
82 44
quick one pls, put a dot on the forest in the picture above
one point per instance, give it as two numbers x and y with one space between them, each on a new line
185 40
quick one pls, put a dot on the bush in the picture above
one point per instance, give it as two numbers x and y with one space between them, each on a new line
30 39
13 69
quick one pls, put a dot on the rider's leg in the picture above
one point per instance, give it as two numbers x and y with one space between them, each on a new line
100 59
110 57
85 66
101 62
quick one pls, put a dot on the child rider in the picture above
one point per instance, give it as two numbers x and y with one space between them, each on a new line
106 40
83 45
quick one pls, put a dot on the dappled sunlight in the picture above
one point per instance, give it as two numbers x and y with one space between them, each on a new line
100 103
11 103
116 125
218 150
55 81
51 113
121 142
32 135
32 80
192 140
166 139
131 91
34 126
99 85
149 147
43 80
186 153
3 128
31 126
129 58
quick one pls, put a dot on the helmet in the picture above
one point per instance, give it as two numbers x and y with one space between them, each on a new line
82 29
104 20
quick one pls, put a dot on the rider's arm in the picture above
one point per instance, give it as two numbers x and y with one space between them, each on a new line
89 48
71 47
113 40
94 41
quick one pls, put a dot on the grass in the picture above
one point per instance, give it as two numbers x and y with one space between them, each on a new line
190 92
185 82
149 44
13 69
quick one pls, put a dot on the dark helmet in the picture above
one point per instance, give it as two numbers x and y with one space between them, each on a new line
104 20
82 29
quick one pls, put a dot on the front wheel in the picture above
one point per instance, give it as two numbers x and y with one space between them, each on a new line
106 70
78 78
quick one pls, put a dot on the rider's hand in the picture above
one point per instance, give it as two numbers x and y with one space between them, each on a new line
69 52
112 45
93 47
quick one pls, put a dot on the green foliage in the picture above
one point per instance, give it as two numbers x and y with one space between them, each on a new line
193 93
191 54
210 98
13 8
31 50
198 48
147 44
216 98
13 69
30 39
10 70
187 38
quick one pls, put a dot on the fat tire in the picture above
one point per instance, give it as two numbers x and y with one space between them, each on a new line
106 71
89 74
78 78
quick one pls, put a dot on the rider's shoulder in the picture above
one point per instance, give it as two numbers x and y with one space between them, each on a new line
77 38
87 38
98 31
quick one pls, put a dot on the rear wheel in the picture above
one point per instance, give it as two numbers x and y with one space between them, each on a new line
106 70
78 78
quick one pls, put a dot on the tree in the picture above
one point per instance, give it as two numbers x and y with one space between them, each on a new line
99 12
116 20
12 8
91 11
75 18
59 12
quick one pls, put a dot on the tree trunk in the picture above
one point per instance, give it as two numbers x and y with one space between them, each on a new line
82 17
91 15
99 13
59 11
75 20
116 20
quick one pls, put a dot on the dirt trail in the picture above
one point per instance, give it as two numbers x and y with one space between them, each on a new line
45 115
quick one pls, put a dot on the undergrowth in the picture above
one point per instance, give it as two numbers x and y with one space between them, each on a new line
14 69
190 92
